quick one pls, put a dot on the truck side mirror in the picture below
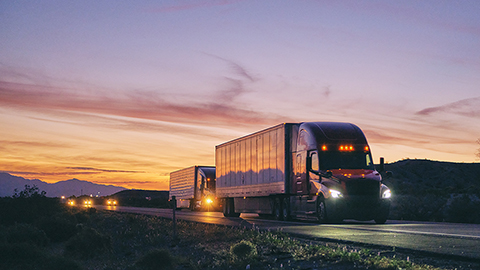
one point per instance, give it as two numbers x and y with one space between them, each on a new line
328 174
381 166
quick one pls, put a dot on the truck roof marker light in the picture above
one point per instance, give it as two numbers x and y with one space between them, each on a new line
346 148
324 148
367 148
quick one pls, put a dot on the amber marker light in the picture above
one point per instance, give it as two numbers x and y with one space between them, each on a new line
346 148
324 148
366 148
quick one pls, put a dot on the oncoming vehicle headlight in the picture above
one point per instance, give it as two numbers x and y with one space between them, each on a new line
209 201
335 194
386 194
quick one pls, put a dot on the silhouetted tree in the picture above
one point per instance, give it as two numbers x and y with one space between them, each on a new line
29 192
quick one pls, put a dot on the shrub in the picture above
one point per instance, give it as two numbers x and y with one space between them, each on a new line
87 243
423 208
59 228
463 209
19 253
26 233
27 209
157 260
27 256
243 250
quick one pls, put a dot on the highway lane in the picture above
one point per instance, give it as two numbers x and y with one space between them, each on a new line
459 240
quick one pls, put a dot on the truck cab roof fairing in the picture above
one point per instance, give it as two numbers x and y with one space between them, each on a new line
333 132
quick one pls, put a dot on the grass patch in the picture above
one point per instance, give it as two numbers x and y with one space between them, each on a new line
109 240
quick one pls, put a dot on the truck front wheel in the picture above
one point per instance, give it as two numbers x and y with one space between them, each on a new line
321 210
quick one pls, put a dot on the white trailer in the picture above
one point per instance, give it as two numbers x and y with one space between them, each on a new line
194 188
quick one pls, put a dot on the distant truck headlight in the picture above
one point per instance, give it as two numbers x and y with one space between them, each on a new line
209 201
386 194
335 194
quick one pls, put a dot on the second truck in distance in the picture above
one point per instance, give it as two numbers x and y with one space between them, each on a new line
194 188
321 170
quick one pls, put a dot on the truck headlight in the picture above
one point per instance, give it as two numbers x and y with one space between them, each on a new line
386 194
335 194
209 201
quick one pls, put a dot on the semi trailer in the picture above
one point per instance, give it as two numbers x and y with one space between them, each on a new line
194 188
313 170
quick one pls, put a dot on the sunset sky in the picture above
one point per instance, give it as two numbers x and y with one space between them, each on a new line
124 92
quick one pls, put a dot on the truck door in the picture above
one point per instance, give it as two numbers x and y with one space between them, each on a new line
300 176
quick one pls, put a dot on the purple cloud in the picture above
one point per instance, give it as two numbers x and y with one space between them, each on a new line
220 110
467 107
188 5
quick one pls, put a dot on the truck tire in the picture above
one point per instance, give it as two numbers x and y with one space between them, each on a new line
277 209
286 209
381 219
321 210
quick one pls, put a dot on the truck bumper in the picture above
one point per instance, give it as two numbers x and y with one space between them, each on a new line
357 208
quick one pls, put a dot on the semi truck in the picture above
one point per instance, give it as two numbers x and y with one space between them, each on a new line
194 188
312 170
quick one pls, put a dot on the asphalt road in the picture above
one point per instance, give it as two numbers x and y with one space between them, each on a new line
449 239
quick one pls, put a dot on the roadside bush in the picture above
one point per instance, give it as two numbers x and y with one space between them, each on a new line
59 228
157 260
27 256
27 209
13 255
87 243
26 233
464 210
243 250
425 208
84 215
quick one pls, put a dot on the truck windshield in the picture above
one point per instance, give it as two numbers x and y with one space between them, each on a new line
346 160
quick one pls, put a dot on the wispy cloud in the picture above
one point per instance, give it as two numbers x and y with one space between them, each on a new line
188 5
39 173
467 107
102 170
133 104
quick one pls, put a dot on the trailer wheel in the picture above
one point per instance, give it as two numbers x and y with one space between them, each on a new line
286 209
225 208
321 210
277 209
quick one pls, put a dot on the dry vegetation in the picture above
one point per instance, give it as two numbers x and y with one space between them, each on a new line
56 237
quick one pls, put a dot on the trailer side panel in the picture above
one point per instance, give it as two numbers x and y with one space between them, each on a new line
183 183
256 165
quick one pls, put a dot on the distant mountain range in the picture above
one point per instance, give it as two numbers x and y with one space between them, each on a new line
8 184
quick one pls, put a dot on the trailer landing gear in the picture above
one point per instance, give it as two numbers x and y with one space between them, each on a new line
229 208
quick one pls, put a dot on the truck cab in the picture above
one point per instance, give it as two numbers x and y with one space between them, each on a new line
334 175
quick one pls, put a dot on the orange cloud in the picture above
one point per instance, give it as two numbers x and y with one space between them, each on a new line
133 104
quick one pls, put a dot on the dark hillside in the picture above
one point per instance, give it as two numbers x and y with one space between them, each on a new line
434 190
418 177
143 198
